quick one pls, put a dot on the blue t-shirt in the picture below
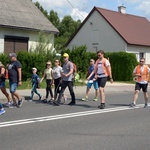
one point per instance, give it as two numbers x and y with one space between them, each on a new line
91 69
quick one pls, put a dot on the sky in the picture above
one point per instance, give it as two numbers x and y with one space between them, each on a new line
79 9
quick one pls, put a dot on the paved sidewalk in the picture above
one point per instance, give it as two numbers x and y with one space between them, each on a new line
110 88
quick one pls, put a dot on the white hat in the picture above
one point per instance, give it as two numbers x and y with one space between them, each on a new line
34 69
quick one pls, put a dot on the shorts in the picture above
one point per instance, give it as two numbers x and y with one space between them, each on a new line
138 87
95 84
13 86
2 84
102 82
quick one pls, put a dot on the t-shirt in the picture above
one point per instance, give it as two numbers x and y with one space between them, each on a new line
66 69
90 70
48 73
35 79
57 72
13 71
100 71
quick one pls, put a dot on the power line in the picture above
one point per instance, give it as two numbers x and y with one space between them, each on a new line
75 9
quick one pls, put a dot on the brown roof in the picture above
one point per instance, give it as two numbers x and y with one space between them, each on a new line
133 29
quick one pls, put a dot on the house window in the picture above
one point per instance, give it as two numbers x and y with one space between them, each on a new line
15 44
141 55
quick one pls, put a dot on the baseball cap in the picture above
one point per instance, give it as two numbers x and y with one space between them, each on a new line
12 55
65 55
34 69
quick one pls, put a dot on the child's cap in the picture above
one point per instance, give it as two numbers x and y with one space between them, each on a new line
34 69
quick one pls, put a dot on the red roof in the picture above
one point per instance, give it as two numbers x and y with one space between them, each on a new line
133 29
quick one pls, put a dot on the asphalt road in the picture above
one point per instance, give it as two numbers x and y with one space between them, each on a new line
39 126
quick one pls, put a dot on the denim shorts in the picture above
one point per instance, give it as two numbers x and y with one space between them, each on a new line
13 86
2 84
95 84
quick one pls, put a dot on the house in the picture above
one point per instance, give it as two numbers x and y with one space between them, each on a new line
20 24
113 31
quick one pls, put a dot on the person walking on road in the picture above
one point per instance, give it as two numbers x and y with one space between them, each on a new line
141 76
102 71
15 79
91 81
67 76
35 80
2 84
48 74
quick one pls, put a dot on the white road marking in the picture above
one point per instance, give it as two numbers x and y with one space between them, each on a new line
63 116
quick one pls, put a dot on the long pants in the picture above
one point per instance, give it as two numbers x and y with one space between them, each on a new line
63 87
34 90
49 88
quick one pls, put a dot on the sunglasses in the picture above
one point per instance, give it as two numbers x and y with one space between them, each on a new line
48 64
141 61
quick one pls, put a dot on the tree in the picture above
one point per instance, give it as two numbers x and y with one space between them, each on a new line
54 19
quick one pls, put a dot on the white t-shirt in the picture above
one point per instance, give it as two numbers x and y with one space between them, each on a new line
100 72
57 72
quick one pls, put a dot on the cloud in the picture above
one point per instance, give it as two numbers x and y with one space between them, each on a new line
145 7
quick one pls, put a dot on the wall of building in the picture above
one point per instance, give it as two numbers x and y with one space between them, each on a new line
33 37
97 34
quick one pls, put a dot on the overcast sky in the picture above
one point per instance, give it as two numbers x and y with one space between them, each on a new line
79 9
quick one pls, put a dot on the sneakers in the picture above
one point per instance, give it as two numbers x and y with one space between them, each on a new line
95 99
85 99
8 104
146 105
13 106
132 105
72 103
2 111
30 100
40 97
102 106
20 102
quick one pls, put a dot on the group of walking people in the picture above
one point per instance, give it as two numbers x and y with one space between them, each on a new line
99 72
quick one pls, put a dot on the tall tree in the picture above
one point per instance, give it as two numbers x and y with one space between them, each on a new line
54 19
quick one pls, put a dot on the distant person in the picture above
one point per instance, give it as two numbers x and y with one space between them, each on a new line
141 75
35 80
15 79
91 81
2 84
48 74
67 81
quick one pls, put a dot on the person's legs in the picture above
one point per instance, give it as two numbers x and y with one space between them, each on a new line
95 83
87 91
4 91
144 88
14 94
63 87
70 86
101 85
136 93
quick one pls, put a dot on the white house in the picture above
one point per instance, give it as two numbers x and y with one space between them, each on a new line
113 31
20 24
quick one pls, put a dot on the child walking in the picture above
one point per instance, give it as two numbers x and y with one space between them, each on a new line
35 80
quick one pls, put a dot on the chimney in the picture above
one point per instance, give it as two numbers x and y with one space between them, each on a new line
122 9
